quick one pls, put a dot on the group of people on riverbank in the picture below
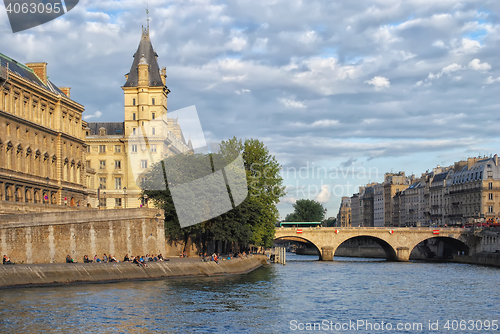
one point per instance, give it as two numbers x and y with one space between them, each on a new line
139 259
217 257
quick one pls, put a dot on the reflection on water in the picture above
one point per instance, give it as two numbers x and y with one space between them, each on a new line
264 301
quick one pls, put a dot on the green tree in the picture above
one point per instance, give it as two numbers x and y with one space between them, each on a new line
307 210
250 222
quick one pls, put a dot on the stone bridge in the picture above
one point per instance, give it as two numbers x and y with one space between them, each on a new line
396 242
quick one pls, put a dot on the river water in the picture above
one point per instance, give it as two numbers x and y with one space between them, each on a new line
308 296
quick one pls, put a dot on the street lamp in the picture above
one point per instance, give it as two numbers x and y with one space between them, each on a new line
145 199
125 196
104 195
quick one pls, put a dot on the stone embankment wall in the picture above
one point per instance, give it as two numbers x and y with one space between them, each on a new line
49 237
43 274
486 259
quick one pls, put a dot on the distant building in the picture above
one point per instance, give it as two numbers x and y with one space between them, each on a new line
473 192
344 215
42 147
378 205
392 184
367 201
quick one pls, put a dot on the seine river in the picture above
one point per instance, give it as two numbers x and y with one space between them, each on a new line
347 295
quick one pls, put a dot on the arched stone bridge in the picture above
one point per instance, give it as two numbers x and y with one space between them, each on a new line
396 242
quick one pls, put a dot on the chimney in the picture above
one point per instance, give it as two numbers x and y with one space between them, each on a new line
496 159
40 70
65 90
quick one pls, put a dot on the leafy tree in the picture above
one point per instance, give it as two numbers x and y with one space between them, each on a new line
250 222
307 210
330 222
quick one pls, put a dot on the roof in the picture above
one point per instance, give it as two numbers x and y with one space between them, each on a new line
145 50
28 74
112 128
440 177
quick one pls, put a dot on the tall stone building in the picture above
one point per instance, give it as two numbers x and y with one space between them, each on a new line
120 151
378 205
344 215
473 192
392 184
42 147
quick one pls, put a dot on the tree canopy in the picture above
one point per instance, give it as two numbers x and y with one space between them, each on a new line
250 222
306 210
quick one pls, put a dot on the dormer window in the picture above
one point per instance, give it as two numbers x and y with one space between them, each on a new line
102 132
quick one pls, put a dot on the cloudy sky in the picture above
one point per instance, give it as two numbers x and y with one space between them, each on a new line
339 91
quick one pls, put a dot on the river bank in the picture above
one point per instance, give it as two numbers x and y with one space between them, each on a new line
485 259
58 274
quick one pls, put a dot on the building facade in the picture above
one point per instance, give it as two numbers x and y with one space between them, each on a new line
120 152
344 215
42 143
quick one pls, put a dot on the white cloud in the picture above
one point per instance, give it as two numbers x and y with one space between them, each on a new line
438 44
466 46
242 91
491 80
288 199
475 64
308 37
324 195
325 123
450 68
288 103
97 114
379 82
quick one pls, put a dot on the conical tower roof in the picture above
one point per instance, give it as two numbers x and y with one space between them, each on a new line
145 50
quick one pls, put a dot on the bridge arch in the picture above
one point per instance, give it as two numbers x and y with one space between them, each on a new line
300 239
390 252
446 247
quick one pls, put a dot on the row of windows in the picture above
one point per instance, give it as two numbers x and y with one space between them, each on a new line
118 180
153 131
103 204
118 148
153 116
153 101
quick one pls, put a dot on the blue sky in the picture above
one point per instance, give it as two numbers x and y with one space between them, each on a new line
358 88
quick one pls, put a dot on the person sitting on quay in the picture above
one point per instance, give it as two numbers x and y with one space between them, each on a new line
105 258
112 258
86 259
126 258
69 259
96 259
6 260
